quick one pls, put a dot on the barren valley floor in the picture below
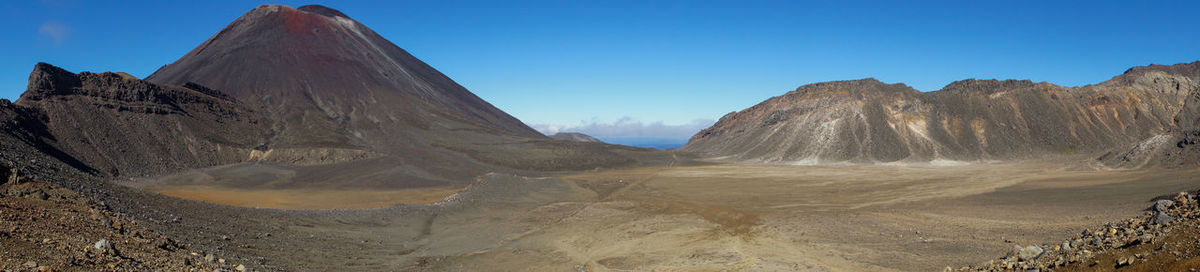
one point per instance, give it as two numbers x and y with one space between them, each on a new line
714 217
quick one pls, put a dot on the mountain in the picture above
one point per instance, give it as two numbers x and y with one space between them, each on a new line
334 82
328 83
574 137
870 121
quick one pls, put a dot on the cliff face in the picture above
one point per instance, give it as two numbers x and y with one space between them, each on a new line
869 121
119 125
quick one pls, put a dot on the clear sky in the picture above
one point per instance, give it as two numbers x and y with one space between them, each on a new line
631 68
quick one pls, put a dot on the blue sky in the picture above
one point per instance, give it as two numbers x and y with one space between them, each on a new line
646 66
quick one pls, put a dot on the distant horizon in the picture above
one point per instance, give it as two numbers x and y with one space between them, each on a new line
651 69
659 143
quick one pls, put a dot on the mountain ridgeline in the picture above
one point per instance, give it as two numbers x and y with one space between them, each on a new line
1133 119
118 125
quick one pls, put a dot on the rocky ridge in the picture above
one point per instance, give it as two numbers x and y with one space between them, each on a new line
575 137
116 125
868 121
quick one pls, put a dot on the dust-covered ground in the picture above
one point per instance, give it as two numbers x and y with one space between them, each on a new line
715 217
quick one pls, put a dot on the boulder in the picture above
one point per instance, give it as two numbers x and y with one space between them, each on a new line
1146 238
1163 204
11 174
1030 253
1162 218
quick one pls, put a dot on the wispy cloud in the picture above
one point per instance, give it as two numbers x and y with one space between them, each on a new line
55 31
627 127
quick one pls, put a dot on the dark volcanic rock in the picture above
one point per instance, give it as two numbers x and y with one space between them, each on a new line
119 125
870 121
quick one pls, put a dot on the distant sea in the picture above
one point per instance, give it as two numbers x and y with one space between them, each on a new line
660 143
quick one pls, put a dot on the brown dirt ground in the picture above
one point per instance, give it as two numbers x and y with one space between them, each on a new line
48 228
308 199
709 218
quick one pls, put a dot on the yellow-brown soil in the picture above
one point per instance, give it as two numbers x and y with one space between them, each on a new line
308 199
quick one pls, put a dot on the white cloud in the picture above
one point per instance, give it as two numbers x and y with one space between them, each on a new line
56 31
627 127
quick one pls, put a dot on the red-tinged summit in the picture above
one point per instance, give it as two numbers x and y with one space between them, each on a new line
327 82
331 81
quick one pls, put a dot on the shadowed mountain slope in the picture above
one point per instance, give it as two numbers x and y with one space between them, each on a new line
334 82
119 125
870 121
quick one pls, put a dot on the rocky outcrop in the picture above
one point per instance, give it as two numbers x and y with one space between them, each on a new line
121 126
575 137
1151 240
870 121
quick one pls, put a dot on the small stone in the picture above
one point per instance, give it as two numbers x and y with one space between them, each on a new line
225 237
1030 253
30 264
1146 238
13 177
1065 246
240 268
222 261
103 245
209 257
1162 218
39 194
